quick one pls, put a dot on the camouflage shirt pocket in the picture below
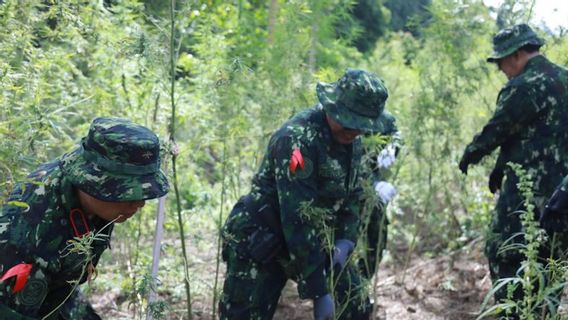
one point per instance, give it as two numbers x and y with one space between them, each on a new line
331 182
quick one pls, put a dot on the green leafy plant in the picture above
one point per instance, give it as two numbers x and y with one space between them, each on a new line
541 283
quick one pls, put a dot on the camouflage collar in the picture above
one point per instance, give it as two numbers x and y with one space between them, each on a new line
325 129
68 193
70 201
535 61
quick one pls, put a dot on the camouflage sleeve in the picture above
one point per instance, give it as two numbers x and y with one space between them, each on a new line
396 140
26 303
391 129
564 184
349 219
516 107
297 196
16 228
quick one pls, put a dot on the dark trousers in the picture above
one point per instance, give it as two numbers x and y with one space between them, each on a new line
376 232
252 291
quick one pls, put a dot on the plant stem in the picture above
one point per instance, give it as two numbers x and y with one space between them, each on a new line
174 154
219 227
158 235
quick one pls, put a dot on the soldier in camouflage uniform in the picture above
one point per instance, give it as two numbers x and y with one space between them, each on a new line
77 196
379 155
530 127
300 220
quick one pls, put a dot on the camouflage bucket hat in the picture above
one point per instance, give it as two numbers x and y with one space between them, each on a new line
355 101
509 40
117 161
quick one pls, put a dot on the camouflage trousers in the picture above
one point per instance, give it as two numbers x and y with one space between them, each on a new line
251 291
507 229
77 307
375 231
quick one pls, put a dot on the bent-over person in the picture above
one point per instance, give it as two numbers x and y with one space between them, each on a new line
78 196
301 220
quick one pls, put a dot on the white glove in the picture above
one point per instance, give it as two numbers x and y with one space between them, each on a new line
385 191
387 156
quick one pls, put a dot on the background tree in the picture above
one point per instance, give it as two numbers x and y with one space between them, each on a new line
408 15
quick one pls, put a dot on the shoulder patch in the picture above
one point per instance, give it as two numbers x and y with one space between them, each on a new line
300 167
307 170
34 292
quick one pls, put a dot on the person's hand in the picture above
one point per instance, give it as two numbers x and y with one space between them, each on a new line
341 251
324 308
387 156
385 191
495 180
553 218
464 163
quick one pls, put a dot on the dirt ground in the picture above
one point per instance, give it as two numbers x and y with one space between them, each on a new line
452 286
446 287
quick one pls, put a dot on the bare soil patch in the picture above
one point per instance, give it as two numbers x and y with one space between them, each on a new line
451 286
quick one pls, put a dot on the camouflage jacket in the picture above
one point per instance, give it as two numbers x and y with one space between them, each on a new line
36 226
564 184
530 125
317 203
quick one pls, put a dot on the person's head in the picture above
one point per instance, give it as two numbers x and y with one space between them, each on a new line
513 47
340 133
117 211
115 169
354 104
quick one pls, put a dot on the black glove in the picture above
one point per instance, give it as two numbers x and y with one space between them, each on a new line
496 180
464 163
553 219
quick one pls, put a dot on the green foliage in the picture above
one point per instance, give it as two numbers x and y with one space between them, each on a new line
408 15
320 219
157 310
436 101
367 23
57 77
541 284
512 12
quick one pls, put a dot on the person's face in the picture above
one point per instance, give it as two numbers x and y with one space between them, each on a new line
340 134
109 211
510 65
